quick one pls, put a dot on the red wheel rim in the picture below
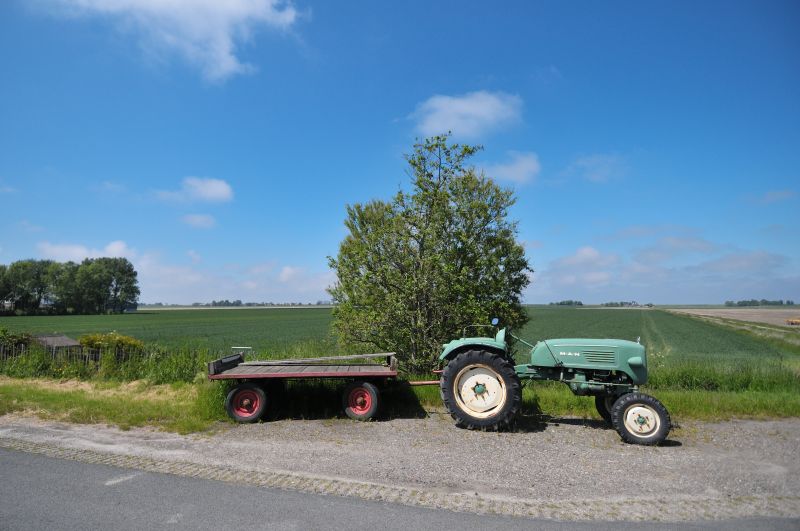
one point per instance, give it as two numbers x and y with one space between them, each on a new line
246 403
359 401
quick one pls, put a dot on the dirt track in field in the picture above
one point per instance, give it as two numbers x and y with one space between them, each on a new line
755 315
566 469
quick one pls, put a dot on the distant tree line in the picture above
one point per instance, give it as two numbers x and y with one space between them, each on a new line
624 304
237 303
95 286
762 302
567 303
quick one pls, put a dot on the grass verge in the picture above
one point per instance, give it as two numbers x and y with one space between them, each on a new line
181 407
198 406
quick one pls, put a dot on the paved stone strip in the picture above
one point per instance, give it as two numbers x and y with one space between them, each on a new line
664 509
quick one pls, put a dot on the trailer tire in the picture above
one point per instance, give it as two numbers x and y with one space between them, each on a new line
360 400
481 390
246 403
604 403
640 419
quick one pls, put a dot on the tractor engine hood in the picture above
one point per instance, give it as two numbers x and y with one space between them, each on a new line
604 354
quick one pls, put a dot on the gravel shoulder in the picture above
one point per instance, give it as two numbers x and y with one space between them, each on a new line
567 469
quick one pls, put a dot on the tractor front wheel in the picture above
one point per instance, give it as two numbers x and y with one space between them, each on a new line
481 390
640 419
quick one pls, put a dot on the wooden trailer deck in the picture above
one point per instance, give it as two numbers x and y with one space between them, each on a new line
233 367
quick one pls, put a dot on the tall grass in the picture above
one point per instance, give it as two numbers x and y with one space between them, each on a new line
690 375
154 364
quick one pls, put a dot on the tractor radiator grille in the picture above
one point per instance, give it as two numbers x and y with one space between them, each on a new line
606 358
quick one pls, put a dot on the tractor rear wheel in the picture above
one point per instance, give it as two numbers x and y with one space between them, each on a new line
481 390
604 403
640 419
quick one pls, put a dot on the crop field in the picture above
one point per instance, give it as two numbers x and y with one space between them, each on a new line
275 332
669 337
269 331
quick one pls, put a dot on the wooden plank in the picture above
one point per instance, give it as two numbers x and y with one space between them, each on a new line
303 361
293 375
308 370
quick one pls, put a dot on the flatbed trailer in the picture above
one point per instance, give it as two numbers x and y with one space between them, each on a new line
247 401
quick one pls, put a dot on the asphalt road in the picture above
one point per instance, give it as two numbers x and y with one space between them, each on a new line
38 492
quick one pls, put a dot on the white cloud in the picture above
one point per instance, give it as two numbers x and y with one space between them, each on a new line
7 189
288 273
469 115
179 284
261 269
598 168
199 221
743 263
110 187
776 196
522 168
161 281
670 247
65 252
587 267
709 273
199 189
27 226
203 32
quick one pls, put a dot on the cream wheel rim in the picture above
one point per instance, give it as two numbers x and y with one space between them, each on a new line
479 391
641 421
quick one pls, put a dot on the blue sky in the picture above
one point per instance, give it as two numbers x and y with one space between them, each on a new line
654 147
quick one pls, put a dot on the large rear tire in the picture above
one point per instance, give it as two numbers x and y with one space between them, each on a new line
640 419
481 390
604 403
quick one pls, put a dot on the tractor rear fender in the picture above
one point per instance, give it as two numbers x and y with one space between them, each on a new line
454 348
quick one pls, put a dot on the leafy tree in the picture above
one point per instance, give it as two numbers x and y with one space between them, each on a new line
415 270
5 284
27 279
122 289
64 288
95 286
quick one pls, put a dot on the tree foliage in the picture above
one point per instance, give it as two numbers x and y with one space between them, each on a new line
98 285
412 272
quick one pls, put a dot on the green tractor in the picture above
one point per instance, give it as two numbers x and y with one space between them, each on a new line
481 384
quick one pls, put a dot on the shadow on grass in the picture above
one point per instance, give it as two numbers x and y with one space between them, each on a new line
314 400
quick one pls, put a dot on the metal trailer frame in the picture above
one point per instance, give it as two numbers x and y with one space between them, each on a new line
248 400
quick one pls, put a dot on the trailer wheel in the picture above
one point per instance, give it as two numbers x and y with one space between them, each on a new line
481 390
640 419
604 403
360 400
246 403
